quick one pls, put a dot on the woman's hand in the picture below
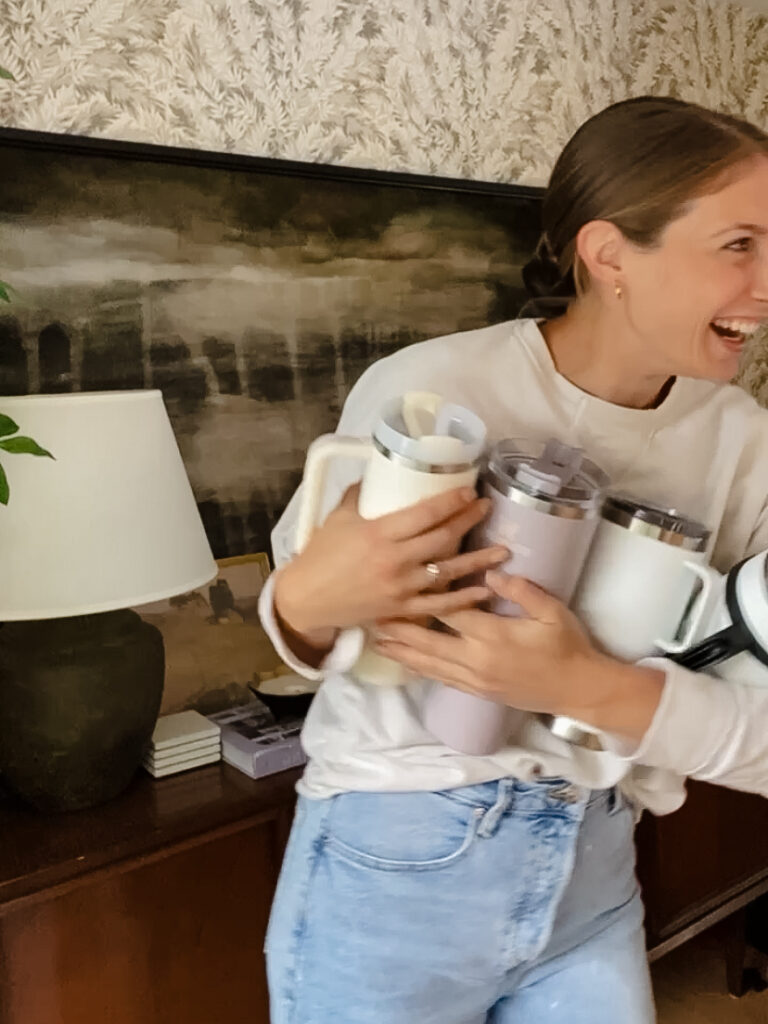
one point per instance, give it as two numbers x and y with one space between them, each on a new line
528 663
356 571
545 662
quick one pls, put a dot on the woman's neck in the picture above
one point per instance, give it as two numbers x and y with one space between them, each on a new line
593 350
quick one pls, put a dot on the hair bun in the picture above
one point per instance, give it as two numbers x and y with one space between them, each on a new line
541 274
549 288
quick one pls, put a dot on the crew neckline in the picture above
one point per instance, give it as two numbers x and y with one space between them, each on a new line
599 409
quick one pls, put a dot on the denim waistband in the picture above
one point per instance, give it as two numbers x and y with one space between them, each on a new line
548 789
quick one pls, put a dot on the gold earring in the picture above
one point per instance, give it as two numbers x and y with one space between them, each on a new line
617 289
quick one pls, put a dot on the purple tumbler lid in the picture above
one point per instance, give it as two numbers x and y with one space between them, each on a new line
548 474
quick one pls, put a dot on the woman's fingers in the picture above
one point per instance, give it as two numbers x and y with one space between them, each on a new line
537 602
350 497
444 539
426 514
421 640
448 603
424 663
457 568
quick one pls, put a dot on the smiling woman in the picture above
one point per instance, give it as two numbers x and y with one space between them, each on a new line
686 304
650 277
673 229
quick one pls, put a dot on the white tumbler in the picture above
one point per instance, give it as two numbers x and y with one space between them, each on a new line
636 584
545 507
725 627
421 446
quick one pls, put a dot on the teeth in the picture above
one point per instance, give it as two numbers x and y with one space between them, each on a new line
745 327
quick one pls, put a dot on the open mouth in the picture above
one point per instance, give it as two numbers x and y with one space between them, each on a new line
735 331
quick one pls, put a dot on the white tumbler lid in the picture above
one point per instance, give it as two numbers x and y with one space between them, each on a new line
448 437
668 525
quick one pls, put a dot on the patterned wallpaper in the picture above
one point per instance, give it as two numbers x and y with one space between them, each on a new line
484 89
473 88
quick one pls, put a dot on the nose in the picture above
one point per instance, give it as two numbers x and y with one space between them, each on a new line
760 284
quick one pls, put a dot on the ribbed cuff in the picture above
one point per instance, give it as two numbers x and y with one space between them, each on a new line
342 656
695 724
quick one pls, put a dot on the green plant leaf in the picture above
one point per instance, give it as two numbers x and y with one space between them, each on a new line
23 446
6 74
4 489
7 425
5 291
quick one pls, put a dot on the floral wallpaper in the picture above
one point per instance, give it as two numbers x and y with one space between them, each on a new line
472 88
485 89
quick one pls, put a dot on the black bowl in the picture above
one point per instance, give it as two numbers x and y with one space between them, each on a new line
285 706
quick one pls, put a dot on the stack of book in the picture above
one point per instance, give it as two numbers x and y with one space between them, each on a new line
255 743
181 741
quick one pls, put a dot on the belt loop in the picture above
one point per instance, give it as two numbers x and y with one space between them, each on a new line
616 801
570 793
491 818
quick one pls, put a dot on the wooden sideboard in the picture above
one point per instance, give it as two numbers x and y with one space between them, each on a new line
152 909
149 910
701 864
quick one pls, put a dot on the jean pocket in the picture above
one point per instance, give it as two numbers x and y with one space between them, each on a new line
402 831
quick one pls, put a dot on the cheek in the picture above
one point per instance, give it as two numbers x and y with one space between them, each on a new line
668 295
682 293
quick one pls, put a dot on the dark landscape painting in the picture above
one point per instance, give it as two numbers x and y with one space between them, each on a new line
252 292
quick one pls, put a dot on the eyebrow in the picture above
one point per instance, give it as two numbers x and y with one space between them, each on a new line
757 229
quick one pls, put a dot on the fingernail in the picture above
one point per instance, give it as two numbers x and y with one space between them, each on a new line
468 493
494 576
500 553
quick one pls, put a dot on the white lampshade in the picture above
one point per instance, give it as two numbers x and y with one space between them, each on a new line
111 523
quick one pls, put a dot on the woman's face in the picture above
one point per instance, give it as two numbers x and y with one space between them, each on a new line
697 298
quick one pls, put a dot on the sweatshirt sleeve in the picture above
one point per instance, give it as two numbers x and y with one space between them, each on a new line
342 656
357 420
711 729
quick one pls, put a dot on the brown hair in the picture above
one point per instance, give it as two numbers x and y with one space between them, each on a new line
636 164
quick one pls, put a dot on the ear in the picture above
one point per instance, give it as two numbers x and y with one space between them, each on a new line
601 247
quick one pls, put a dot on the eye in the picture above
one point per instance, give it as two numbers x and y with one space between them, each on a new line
744 244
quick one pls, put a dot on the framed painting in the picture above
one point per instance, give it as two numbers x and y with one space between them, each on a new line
252 292
215 647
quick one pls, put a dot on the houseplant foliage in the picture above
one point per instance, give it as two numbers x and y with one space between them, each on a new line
14 444
10 440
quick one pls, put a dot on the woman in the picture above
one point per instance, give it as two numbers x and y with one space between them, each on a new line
423 886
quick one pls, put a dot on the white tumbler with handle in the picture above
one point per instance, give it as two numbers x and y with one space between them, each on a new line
635 586
421 446
725 627
545 506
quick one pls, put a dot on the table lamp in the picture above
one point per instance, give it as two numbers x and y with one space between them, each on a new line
108 523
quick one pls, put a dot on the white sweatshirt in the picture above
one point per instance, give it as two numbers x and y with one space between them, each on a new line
704 450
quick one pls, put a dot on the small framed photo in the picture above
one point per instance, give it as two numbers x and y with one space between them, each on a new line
215 646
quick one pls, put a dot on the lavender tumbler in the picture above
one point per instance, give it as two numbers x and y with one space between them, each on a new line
545 507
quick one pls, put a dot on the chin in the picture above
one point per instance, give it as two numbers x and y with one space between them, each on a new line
723 370
726 376
721 360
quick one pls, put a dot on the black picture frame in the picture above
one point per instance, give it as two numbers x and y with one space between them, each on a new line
252 291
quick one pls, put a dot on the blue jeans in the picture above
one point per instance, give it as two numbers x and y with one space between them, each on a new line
502 903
